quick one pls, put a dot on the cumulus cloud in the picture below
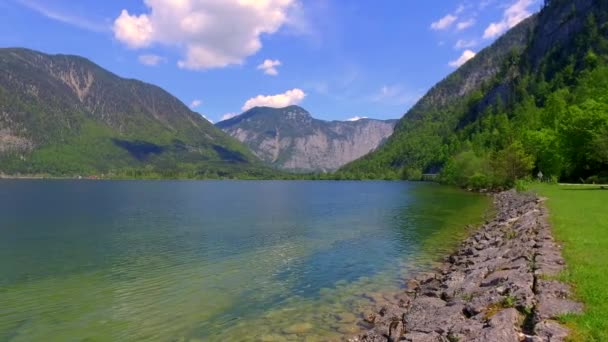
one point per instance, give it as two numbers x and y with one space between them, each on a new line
228 116
135 31
444 22
466 55
288 98
213 33
196 103
464 44
151 60
512 16
357 118
270 67
465 24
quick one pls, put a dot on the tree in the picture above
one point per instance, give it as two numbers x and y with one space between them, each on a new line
513 163
582 134
544 146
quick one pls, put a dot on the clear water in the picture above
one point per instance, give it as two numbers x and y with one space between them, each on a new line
212 260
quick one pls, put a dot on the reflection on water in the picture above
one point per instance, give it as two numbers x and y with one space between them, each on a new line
212 261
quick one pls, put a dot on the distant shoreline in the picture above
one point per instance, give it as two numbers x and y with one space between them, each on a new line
3 176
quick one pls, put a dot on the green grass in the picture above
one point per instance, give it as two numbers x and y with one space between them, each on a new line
580 221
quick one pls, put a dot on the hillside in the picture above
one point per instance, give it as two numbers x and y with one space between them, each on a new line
291 139
532 102
64 115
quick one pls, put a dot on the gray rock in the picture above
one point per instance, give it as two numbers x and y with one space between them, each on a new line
490 271
428 314
291 139
502 327
551 307
551 331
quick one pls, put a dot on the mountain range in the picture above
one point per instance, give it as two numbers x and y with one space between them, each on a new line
64 115
534 102
292 140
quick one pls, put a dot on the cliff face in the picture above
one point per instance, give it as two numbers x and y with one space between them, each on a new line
291 139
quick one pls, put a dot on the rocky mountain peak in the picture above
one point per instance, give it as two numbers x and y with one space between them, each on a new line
291 139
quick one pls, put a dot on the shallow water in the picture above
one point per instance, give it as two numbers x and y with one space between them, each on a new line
213 260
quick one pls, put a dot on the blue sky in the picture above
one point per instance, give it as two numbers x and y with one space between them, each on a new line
337 58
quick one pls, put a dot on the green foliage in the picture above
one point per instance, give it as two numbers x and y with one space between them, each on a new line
522 185
508 302
544 111
512 163
118 128
412 174
469 170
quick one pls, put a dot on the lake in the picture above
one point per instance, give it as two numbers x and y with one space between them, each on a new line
213 260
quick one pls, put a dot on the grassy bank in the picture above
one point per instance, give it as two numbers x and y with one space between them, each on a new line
580 220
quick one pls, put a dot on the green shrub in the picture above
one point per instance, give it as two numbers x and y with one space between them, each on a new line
412 174
479 181
522 185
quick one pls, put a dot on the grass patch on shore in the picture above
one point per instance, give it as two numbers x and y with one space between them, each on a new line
579 216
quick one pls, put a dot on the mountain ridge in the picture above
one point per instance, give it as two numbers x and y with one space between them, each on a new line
64 114
524 117
291 139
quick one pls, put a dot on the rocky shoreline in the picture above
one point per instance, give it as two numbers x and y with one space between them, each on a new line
496 287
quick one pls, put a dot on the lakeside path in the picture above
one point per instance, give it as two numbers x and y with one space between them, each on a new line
498 286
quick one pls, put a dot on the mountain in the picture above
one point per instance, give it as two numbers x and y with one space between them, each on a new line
533 102
291 139
64 115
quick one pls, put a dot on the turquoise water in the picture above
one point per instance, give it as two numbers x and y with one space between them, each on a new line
212 260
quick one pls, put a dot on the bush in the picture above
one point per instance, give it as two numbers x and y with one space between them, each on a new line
522 185
513 163
460 169
480 181
412 174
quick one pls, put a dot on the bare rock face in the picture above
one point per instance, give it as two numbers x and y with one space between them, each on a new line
290 139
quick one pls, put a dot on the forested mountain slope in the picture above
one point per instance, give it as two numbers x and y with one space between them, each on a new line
64 115
541 104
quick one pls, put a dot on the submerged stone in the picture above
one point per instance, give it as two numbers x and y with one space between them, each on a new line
298 328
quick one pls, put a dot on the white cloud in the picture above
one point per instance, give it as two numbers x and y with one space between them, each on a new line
465 44
151 60
444 22
466 55
512 16
135 31
465 24
213 33
228 116
393 94
196 103
206 118
63 17
270 67
357 118
288 98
